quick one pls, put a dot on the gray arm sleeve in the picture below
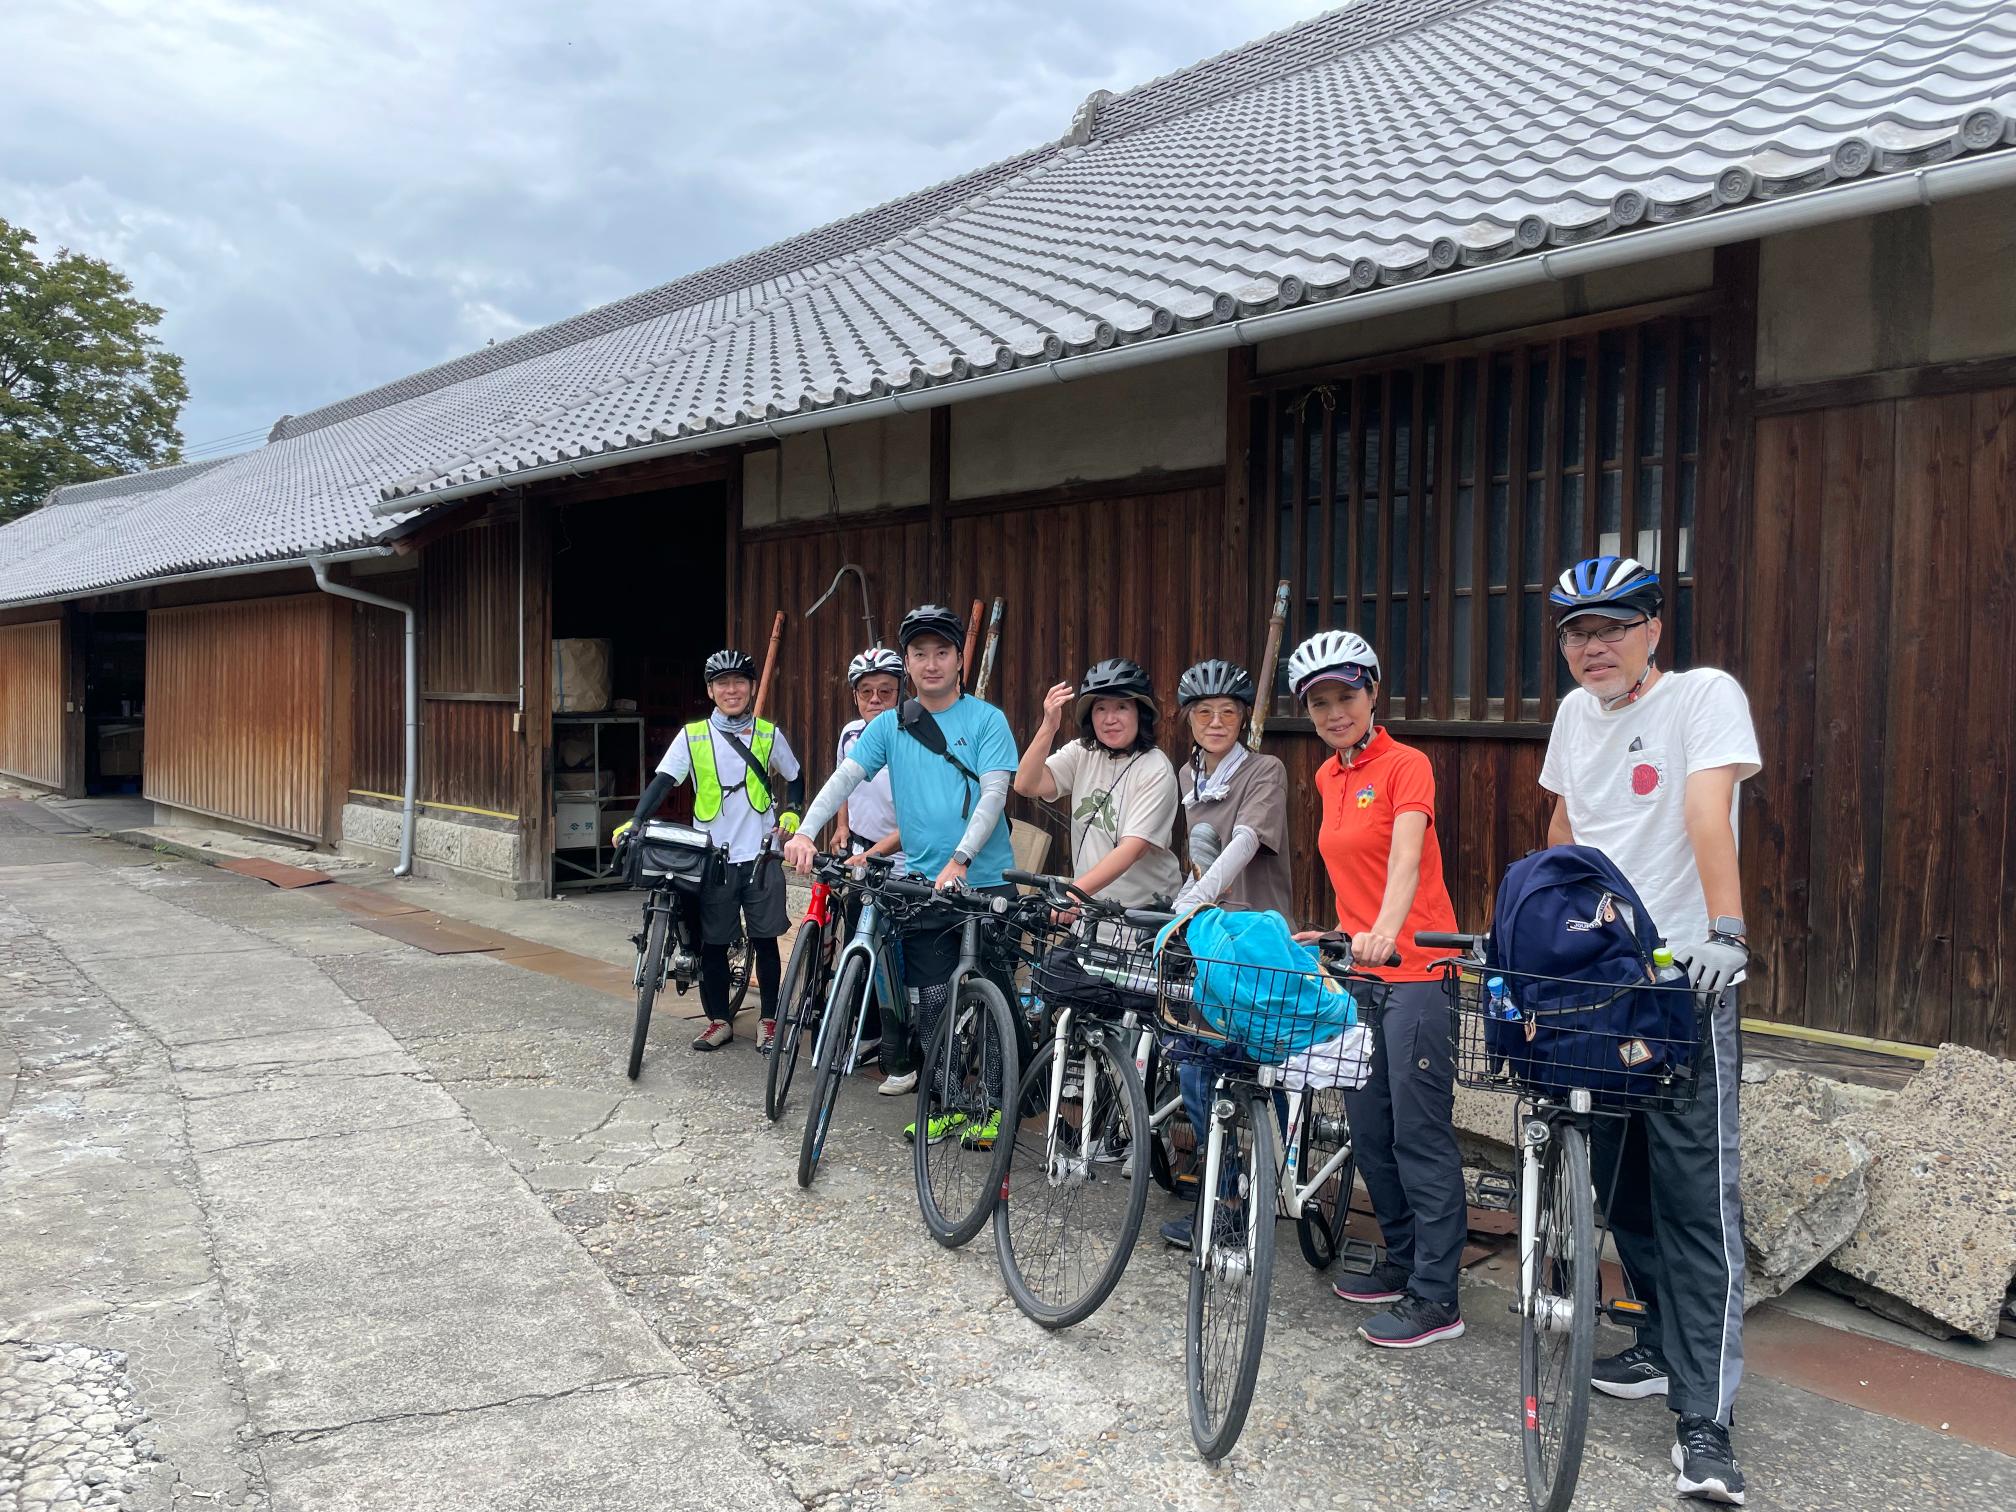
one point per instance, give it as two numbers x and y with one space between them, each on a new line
1210 887
846 777
986 813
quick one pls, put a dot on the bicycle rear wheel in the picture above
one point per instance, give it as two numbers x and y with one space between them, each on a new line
1226 1328
648 983
1557 1335
741 967
968 1062
836 1038
797 1012
1325 1130
1068 1218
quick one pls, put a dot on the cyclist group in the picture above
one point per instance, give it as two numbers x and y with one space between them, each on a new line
1642 764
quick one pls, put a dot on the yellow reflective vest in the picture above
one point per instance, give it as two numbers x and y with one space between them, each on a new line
707 789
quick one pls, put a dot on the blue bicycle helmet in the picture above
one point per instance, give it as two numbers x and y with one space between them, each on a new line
1618 587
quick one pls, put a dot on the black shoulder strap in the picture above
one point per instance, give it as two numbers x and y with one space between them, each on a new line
917 722
748 757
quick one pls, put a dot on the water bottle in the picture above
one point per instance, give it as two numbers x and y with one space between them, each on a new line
1500 1005
1667 970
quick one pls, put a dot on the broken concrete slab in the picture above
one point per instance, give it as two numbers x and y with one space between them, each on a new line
1804 1180
1939 1235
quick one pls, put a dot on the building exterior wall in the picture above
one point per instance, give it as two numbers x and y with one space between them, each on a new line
31 701
239 718
875 464
1930 284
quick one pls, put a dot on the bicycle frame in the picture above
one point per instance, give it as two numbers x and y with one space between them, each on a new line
870 944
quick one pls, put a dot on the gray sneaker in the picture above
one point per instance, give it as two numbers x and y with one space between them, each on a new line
896 1086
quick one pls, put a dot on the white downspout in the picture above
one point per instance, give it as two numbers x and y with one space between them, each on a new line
412 682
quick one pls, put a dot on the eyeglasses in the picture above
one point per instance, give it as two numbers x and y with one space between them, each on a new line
1609 635
1216 716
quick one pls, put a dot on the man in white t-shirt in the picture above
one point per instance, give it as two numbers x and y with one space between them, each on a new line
1645 767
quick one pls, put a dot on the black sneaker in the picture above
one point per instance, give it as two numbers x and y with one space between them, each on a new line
1181 1232
1410 1323
1385 1282
1632 1374
1706 1463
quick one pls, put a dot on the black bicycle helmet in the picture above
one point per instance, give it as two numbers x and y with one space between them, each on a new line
731 664
932 619
1215 679
1618 587
1115 677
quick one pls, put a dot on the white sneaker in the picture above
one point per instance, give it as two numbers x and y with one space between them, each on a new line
896 1086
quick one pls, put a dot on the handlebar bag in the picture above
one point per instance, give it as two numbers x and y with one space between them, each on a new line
675 853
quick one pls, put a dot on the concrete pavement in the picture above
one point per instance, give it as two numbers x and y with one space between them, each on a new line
355 1226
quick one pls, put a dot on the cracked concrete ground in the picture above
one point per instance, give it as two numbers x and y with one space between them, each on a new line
372 1229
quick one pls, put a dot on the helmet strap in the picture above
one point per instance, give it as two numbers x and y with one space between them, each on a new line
1635 692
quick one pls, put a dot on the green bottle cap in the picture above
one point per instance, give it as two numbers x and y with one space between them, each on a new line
1662 957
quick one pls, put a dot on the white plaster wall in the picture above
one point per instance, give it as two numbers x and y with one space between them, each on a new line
875 464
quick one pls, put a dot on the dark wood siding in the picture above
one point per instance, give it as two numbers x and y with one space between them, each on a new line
238 711
31 701
469 611
1880 840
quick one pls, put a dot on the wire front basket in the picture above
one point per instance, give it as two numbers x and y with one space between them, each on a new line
1629 1046
1108 972
1248 1020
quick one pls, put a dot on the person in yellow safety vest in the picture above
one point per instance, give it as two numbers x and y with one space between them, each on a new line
730 757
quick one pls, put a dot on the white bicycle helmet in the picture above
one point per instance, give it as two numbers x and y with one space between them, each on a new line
875 659
1332 656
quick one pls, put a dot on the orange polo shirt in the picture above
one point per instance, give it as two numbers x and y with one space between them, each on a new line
1361 799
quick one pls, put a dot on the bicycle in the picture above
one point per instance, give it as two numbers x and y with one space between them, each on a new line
867 963
1256 1099
1560 1240
808 977
970 1067
1071 1210
674 862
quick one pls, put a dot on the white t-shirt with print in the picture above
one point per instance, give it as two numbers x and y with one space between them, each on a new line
738 826
1624 774
1111 796
871 807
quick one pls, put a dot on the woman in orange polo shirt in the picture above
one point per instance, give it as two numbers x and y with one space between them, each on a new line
1379 845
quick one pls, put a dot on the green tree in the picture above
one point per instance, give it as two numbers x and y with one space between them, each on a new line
86 390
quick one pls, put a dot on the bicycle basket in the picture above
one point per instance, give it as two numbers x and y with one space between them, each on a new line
675 853
1109 976
1629 1045
1239 983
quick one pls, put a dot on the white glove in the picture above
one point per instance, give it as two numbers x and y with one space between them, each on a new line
1714 964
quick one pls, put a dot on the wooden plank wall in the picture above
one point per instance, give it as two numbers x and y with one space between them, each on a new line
1880 841
469 755
238 711
31 701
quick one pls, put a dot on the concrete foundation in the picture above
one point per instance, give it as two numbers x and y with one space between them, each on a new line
478 855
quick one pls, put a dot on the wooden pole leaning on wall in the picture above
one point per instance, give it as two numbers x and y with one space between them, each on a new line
987 657
769 666
969 656
1264 690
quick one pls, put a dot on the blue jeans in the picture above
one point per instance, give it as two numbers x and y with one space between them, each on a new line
1196 1078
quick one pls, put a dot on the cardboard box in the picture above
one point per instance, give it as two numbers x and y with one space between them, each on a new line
584 784
576 823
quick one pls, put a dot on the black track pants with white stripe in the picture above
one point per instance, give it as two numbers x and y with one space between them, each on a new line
1676 1210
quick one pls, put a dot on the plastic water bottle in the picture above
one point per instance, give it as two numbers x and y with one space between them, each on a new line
1670 974
1501 1005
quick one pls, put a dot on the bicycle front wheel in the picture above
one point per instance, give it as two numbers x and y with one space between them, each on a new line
1230 1279
1557 1335
1068 1218
959 1154
648 983
797 1012
836 1039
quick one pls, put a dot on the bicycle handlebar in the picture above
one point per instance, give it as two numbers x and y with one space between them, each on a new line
1435 939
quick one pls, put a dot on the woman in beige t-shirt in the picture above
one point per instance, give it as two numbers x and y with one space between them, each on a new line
1120 789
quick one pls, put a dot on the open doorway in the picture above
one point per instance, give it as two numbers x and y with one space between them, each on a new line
640 598
115 701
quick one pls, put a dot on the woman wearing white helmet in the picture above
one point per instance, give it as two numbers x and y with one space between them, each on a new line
866 823
1379 846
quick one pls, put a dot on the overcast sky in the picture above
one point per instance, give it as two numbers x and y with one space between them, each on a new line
324 196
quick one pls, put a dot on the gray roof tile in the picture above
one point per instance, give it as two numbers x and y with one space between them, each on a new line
1377 144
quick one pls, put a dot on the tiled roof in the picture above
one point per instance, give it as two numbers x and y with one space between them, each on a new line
1375 145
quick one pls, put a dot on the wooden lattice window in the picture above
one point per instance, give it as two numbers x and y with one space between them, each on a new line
1429 505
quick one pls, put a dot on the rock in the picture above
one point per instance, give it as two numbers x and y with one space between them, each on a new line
1804 1180
1939 1234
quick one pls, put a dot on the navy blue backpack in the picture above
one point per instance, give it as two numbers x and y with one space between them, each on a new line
1611 1027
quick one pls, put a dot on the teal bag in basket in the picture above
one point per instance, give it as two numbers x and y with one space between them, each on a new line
1252 983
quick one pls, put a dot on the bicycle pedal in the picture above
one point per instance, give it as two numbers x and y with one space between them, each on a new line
1357 1256
1627 1313
1495 1192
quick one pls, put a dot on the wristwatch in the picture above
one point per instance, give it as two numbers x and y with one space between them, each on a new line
961 858
1727 927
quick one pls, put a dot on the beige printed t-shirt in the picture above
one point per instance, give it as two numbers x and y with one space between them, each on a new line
1111 796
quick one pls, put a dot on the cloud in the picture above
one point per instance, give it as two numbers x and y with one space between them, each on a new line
324 196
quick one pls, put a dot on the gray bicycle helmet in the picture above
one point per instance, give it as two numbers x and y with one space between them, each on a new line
1215 679
931 619
731 664
1115 677
875 659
